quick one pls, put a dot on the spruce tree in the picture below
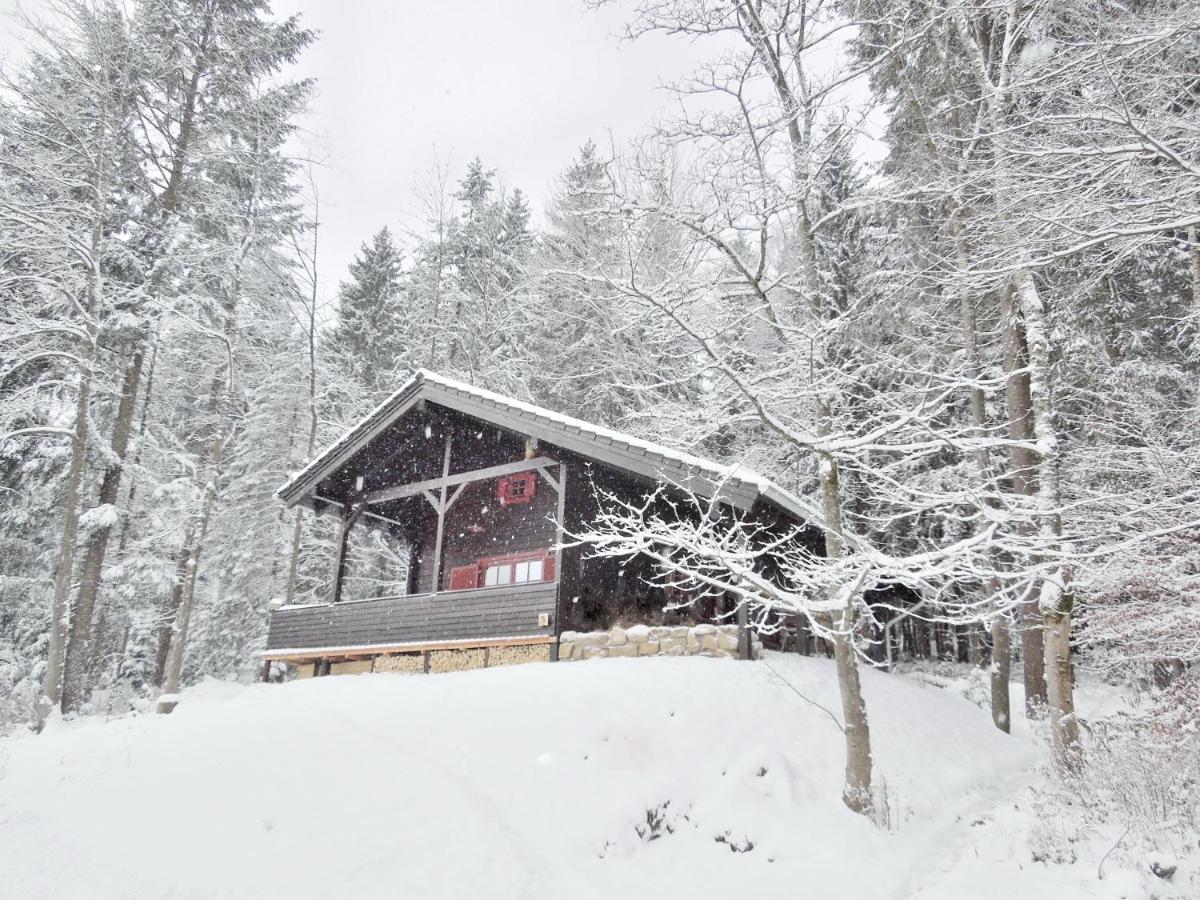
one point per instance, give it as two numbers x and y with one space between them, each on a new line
369 334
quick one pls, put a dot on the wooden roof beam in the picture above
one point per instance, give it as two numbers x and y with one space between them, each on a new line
419 487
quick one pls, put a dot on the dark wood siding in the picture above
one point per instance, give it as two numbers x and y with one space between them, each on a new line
461 615
506 529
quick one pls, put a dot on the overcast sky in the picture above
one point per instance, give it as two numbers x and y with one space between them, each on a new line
402 84
521 83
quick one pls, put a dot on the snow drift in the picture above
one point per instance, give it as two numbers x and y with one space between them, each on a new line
660 777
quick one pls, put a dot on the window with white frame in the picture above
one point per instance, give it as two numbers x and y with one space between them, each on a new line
523 571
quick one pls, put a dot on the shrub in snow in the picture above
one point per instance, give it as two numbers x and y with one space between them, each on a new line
737 845
1145 767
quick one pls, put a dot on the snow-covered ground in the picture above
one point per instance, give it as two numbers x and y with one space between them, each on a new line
632 778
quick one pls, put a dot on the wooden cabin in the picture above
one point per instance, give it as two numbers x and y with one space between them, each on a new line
474 491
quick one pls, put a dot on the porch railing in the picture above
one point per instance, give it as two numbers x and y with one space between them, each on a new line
494 612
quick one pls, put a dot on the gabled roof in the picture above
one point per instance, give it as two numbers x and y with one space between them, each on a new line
737 485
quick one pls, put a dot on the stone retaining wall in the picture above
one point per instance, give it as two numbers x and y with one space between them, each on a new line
655 640
637 640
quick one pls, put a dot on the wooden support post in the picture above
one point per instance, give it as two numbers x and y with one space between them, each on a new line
441 522
744 642
561 488
350 515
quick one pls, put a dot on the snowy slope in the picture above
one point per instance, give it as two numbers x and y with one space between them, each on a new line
525 782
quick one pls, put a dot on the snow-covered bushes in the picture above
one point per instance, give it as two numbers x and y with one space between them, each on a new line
18 692
1145 768
1139 792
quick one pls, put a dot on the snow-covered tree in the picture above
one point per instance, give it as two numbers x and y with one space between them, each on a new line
370 337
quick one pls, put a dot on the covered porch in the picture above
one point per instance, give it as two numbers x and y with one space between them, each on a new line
475 517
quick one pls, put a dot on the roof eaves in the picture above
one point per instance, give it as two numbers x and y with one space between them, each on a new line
336 453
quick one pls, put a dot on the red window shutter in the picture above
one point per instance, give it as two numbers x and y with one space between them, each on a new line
548 568
463 578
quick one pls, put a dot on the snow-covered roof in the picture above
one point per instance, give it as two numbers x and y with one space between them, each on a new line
737 484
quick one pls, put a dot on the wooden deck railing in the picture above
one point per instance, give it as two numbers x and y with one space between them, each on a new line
512 611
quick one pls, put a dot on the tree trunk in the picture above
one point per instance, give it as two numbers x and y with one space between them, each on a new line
56 644
169 204
1194 240
983 465
1024 480
1001 664
171 611
52 681
221 402
1055 597
298 527
1064 726
143 419
79 642
856 792
294 563
799 115
183 615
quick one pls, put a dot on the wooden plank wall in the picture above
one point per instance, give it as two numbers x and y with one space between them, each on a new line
459 615
512 529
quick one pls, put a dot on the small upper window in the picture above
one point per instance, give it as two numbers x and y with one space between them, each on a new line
517 488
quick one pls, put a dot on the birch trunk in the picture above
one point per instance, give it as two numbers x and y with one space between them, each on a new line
1055 599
